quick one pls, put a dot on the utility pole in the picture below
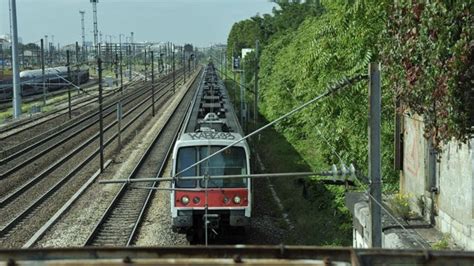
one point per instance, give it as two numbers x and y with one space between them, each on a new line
51 52
116 68
42 73
77 66
225 67
16 70
129 63
152 84
83 29
77 53
375 110
255 108
243 112
174 73
121 72
101 118
133 45
184 65
145 67
69 87
94 10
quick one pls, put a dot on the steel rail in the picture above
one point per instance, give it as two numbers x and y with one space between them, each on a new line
55 113
10 197
81 103
109 111
91 98
122 194
160 172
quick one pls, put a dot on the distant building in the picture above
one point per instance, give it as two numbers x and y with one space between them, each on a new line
5 44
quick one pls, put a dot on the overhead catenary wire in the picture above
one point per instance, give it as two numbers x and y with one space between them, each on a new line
329 91
362 184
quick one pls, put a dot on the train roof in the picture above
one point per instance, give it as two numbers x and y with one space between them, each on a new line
211 115
47 71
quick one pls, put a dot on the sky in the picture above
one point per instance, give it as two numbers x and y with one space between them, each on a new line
201 22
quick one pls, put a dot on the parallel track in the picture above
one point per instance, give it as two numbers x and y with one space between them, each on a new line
12 226
35 151
119 224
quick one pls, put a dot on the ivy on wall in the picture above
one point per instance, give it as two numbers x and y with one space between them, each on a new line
428 50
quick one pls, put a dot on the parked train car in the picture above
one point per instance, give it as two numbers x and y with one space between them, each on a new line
32 81
211 124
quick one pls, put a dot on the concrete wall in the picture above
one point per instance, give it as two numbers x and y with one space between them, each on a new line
454 180
413 179
455 201
392 238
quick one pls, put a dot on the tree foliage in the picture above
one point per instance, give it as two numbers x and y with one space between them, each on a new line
426 48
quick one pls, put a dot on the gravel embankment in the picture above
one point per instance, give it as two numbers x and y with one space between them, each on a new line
86 212
42 214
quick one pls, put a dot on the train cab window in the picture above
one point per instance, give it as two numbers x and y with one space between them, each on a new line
186 157
229 162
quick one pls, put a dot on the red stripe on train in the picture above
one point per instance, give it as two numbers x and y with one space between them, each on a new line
215 198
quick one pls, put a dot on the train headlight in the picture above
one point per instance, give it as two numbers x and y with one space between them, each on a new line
237 200
196 200
185 200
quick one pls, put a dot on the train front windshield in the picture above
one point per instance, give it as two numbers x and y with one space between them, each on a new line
229 162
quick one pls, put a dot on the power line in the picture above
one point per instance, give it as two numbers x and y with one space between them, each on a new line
329 91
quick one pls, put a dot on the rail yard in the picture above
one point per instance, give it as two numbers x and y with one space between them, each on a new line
246 132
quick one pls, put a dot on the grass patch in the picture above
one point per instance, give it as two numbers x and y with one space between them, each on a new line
317 211
26 107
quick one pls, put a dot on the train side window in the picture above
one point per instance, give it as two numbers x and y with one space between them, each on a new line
186 157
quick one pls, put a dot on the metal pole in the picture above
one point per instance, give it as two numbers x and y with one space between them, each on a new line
242 96
184 66
101 122
133 44
119 123
235 88
16 70
69 87
145 67
255 108
121 72
375 110
174 73
77 67
152 84
42 73
116 68
77 53
129 63
83 35
94 10
225 67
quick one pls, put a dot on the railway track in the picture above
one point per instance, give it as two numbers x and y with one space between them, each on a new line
5 104
21 211
20 131
119 224
25 153
22 125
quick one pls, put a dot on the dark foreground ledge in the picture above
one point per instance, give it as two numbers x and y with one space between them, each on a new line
239 254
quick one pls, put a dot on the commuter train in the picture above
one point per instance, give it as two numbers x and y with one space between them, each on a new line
210 125
32 81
